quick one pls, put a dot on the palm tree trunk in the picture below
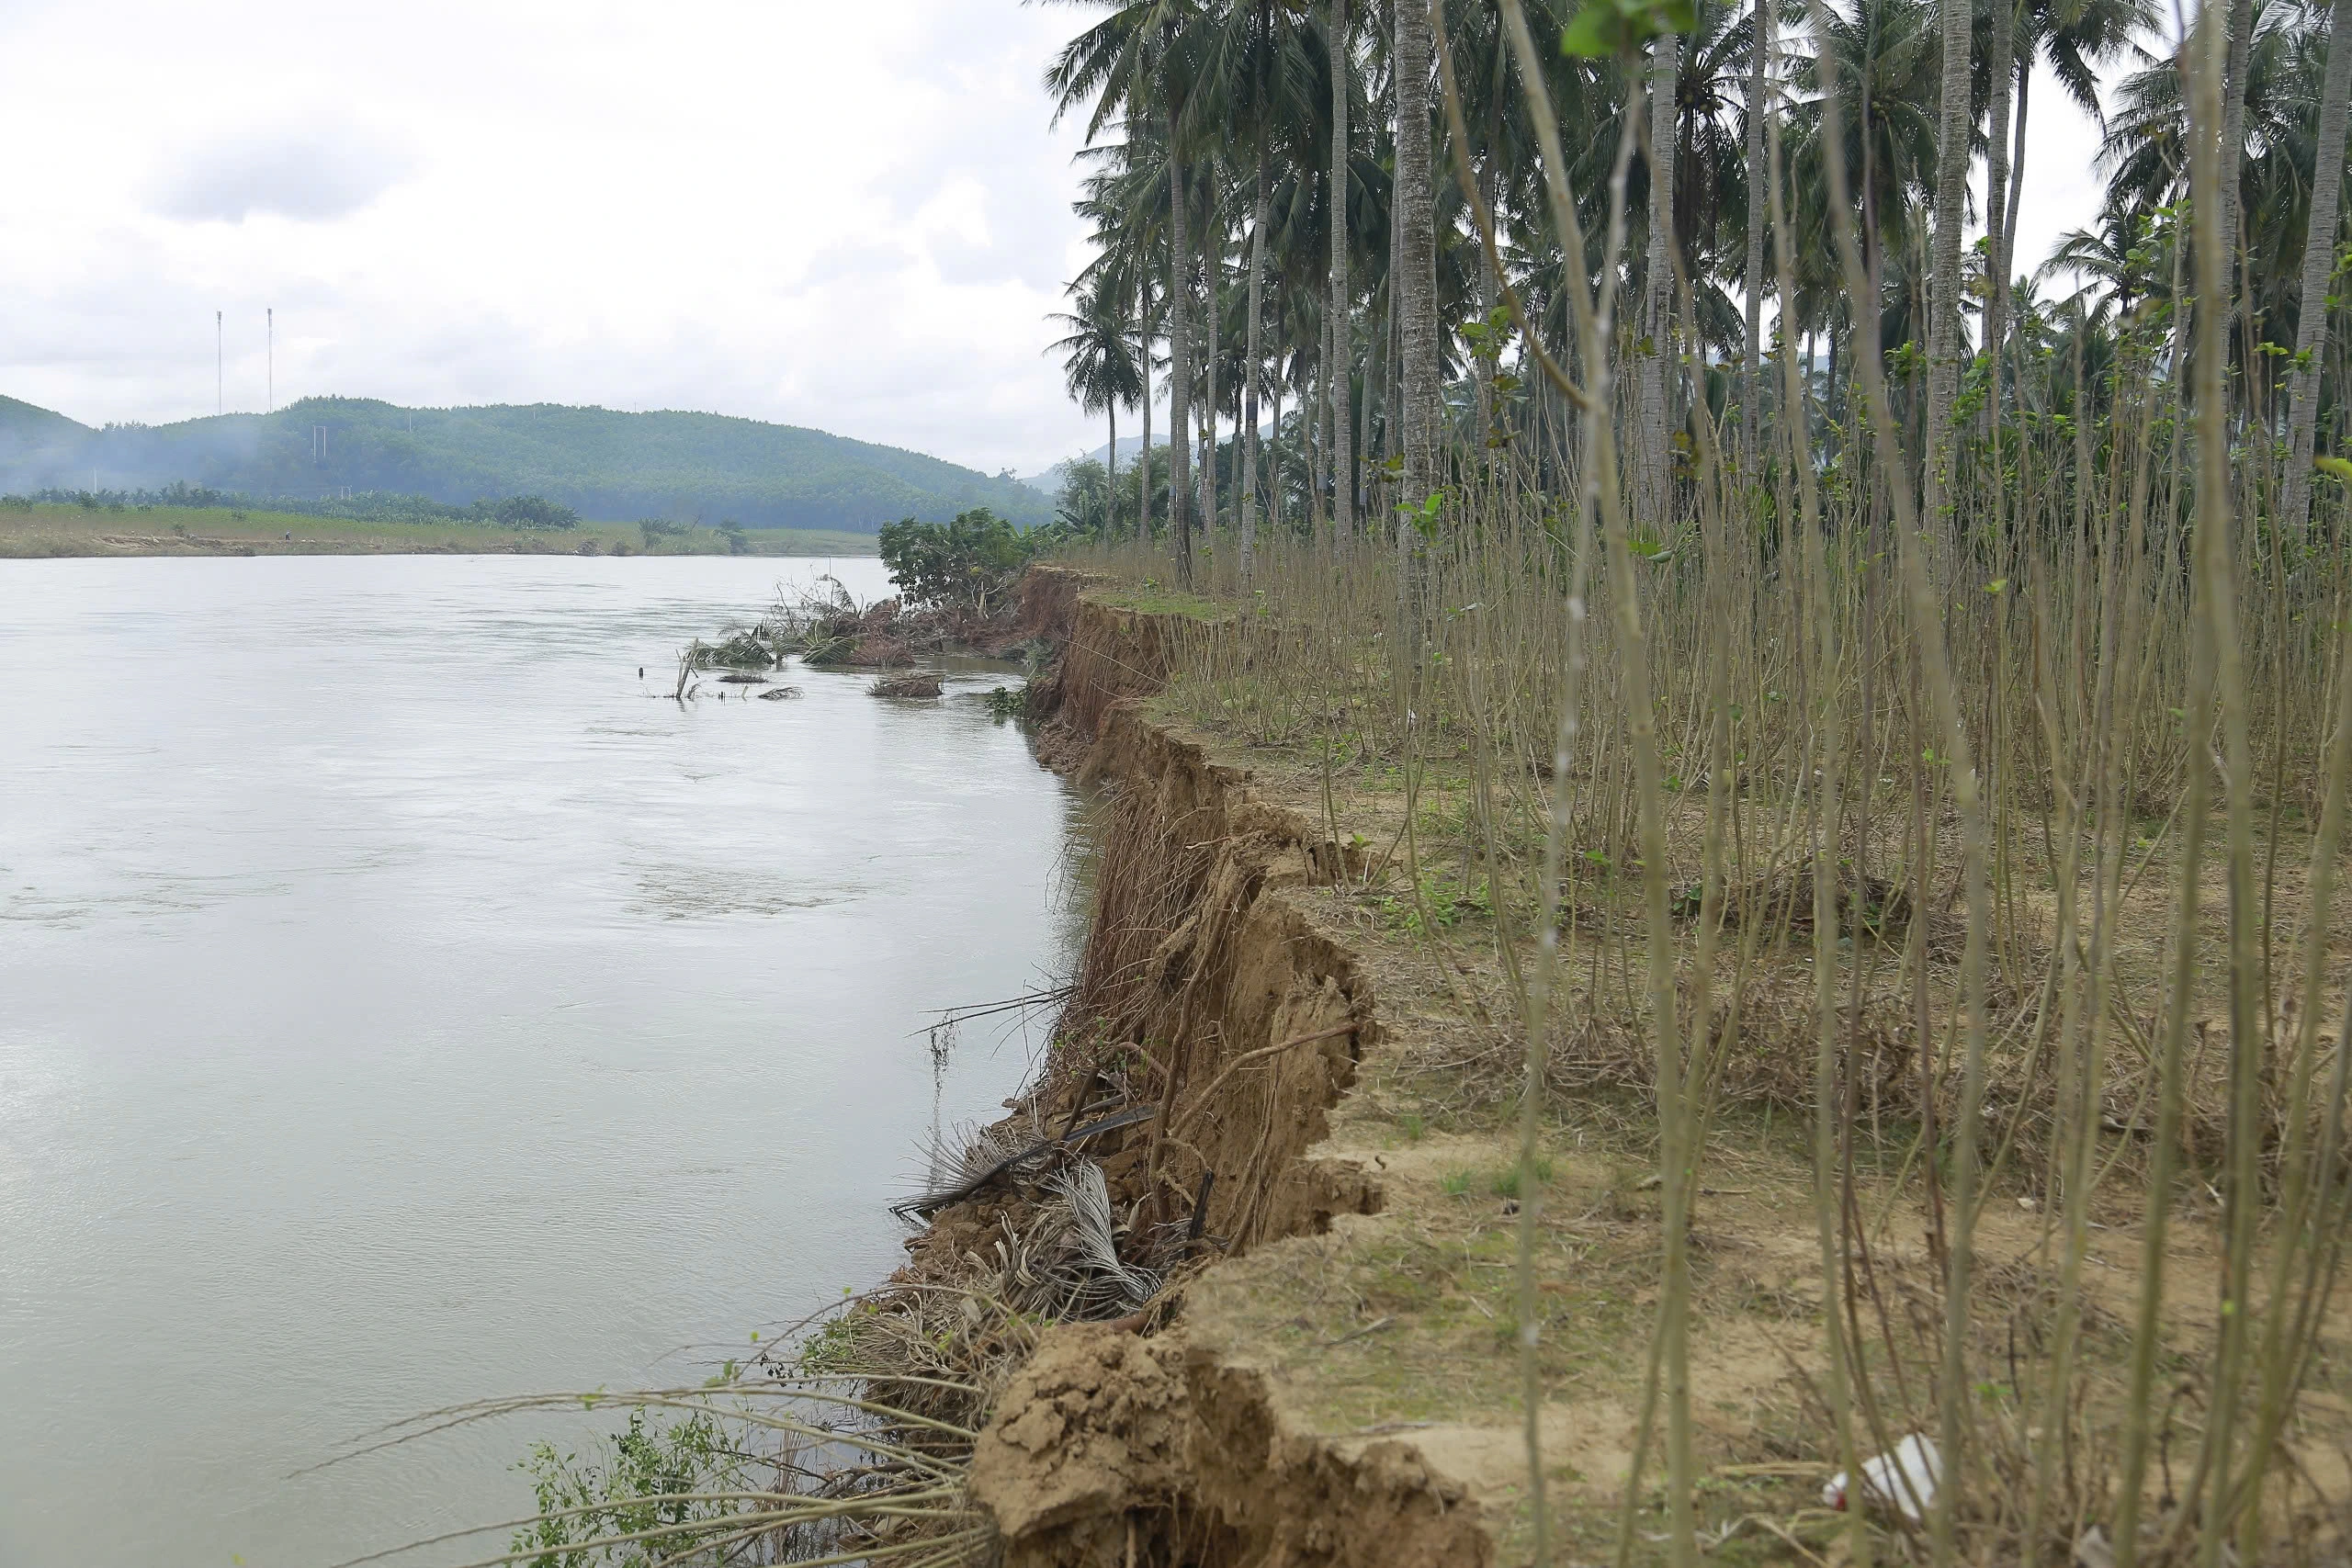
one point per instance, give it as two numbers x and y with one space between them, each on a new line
2002 69
1274 469
1143 466
1110 478
2233 149
1320 446
1482 367
2319 250
1751 362
1212 273
1343 509
1361 447
1207 478
2017 161
1253 368
1657 306
1416 283
1943 288
1393 349
1180 360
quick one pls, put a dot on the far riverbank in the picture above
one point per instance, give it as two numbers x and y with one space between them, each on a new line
44 531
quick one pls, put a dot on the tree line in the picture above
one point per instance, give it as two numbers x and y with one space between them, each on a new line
1273 260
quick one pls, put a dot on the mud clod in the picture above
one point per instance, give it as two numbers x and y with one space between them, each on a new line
1094 1428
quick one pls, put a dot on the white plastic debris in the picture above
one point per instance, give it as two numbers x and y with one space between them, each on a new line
1905 1478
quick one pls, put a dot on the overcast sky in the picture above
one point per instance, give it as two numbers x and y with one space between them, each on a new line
850 214
846 214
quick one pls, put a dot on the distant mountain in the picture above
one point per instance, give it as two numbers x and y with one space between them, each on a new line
604 462
1050 482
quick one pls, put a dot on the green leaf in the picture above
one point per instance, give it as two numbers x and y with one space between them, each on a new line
1593 33
1604 28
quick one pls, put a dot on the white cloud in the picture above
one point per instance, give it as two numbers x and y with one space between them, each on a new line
315 170
854 217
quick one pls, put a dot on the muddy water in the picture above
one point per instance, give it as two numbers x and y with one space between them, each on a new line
400 1003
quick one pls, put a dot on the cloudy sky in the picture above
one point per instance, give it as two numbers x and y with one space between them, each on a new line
852 216
826 212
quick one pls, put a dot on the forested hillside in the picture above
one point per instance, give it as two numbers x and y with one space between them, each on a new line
602 462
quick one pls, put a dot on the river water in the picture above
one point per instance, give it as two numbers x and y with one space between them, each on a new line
402 1002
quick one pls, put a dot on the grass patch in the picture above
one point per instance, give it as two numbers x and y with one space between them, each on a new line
1149 598
42 530
1509 1182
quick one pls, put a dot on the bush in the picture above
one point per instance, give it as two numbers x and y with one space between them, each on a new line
529 512
655 1479
961 565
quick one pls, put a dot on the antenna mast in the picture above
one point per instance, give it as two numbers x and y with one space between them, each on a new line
269 401
220 367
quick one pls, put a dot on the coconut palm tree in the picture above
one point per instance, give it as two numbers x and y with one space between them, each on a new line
1126 200
1416 283
1258 79
1651 446
2319 248
1889 68
1756 107
2145 154
1341 321
2076 38
2115 262
1711 189
1954 121
1099 363
1140 63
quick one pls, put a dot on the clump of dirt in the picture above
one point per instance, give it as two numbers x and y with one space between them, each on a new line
906 686
1114 1449
1094 1428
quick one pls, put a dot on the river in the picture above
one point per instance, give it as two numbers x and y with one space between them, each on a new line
401 1001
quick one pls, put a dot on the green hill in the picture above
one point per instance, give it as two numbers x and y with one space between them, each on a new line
602 462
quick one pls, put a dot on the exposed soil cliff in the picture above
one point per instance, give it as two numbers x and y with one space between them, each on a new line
1209 986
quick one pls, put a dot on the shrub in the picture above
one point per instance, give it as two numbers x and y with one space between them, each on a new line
961 565
656 1478
529 512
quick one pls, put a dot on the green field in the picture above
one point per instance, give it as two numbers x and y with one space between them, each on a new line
66 530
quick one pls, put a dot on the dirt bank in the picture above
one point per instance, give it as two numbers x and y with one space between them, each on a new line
1213 986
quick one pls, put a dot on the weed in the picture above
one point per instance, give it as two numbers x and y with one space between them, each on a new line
1509 1181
